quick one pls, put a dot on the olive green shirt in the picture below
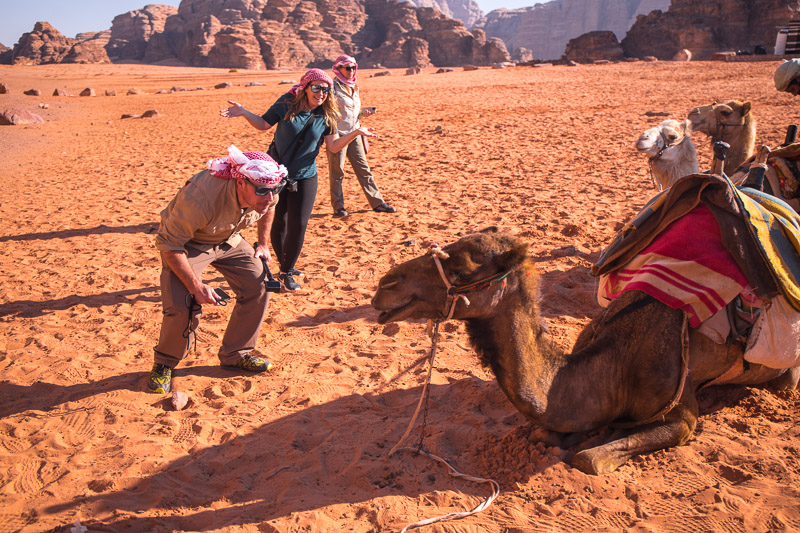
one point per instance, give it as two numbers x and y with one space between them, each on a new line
205 213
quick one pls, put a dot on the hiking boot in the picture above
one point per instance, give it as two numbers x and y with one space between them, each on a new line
340 212
288 281
251 363
384 208
160 379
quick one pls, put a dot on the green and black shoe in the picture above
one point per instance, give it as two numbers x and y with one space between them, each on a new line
251 363
160 379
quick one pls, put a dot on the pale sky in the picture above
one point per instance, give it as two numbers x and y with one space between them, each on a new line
73 17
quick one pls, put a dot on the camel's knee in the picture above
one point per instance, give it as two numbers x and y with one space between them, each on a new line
675 431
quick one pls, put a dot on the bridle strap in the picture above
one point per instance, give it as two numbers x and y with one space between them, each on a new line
456 292
656 157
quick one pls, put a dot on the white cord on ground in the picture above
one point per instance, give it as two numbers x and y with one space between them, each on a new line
458 515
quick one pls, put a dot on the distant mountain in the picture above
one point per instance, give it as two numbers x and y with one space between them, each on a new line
279 34
544 30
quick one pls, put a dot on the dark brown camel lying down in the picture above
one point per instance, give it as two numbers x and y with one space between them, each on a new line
626 368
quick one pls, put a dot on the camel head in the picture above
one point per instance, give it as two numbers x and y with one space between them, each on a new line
656 141
711 119
415 289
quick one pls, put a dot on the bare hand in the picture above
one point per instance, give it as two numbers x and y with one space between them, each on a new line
367 132
263 251
205 295
235 110
366 112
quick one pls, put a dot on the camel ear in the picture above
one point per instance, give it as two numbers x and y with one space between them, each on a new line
746 107
687 126
490 229
513 257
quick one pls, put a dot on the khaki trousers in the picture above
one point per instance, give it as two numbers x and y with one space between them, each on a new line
245 275
358 160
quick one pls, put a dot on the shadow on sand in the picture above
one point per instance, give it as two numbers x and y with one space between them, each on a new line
323 455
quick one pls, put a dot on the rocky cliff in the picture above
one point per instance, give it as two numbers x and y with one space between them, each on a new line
705 27
257 34
274 34
132 31
545 29
467 11
45 44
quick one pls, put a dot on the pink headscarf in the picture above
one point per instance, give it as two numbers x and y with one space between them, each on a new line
314 74
257 167
346 60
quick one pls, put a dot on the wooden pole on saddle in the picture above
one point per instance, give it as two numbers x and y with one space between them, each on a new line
720 151
791 133
758 168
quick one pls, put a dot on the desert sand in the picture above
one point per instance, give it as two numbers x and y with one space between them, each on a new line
546 153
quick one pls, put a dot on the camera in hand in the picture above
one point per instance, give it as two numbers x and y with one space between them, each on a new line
221 295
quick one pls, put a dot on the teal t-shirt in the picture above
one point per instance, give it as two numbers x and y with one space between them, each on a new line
304 163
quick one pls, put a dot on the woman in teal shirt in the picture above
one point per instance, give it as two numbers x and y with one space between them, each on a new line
306 117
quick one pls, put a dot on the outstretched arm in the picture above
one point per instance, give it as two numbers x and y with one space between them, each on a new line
237 110
335 144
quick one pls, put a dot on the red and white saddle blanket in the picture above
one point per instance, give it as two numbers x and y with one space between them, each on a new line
685 267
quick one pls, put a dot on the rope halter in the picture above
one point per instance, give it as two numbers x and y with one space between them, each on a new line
456 292
656 157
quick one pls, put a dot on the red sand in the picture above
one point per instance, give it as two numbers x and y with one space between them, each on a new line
544 152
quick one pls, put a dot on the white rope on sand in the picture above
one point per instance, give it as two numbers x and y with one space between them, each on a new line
452 471
457 515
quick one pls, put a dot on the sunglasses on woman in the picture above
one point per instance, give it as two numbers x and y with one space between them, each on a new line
348 68
324 89
263 191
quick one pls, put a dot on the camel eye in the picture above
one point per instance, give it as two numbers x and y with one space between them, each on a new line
726 112
671 137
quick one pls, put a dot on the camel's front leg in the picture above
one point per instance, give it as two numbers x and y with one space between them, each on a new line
674 431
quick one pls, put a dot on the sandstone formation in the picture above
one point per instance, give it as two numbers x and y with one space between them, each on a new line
545 29
131 31
706 28
593 47
424 37
44 44
467 11
255 34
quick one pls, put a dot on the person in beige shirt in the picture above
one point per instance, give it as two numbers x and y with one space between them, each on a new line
348 99
202 226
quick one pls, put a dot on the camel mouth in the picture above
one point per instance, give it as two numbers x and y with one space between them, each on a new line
395 314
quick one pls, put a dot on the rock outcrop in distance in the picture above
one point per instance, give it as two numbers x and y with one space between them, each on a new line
594 46
545 29
706 27
45 44
279 34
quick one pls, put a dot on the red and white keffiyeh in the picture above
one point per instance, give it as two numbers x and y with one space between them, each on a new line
257 167
346 60
314 74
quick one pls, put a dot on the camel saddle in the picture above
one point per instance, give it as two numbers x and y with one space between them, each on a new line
760 232
783 173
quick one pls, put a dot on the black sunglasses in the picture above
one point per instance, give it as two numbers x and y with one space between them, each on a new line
320 88
263 191
348 68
